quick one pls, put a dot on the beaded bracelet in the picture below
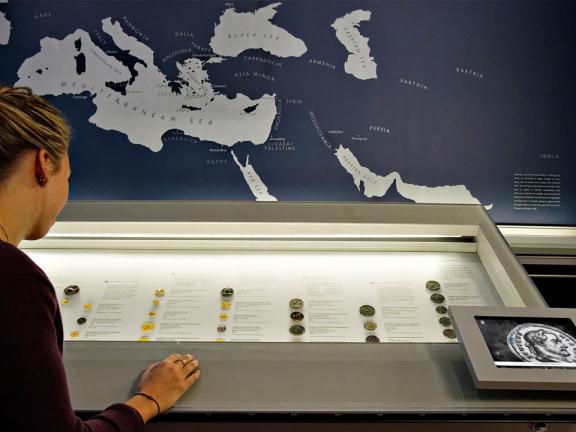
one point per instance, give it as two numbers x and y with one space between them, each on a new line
147 396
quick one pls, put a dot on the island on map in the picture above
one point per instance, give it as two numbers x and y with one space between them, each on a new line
359 63
240 31
137 99
374 185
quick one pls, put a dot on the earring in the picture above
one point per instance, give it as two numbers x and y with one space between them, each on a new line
41 180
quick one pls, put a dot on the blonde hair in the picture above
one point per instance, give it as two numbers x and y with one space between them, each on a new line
29 122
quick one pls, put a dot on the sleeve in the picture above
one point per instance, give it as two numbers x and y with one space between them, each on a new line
35 393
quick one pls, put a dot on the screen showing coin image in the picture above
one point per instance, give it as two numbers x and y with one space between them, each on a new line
530 342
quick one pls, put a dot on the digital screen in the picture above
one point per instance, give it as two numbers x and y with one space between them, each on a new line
530 342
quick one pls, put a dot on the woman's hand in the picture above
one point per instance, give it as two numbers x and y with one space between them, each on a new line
165 382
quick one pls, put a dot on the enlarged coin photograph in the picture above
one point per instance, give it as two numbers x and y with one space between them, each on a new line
433 285
372 339
449 333
367 310
530 342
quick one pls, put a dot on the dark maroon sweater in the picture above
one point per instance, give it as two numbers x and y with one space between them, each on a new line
34 392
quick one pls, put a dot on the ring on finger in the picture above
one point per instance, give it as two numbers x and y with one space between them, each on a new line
181 361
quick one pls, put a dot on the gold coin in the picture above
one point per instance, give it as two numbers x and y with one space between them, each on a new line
149 326
296 303
159 292
223 317
152 313
75 334
225 305
370 326
219 340
88 307
156 302
144 339
64 302
367 310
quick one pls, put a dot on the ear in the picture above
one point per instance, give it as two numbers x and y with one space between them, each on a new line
41 167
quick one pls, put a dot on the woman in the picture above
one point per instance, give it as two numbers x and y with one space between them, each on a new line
34 171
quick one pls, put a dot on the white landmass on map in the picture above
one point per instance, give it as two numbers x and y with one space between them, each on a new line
5 28
255 183
377 186
359 63
147 106
240 31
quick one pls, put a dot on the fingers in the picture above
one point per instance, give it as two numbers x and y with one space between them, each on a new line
181 359
193 377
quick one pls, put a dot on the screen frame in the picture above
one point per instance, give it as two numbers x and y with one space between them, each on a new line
479 359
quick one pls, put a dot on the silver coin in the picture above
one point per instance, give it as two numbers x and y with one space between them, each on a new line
441 309
71 290
81 320
297 330
445 321
372 339
449 333
296 316
367 310
296 303
534 342
437 298
370 325
227 292
433 285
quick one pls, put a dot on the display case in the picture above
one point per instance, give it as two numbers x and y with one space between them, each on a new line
294 309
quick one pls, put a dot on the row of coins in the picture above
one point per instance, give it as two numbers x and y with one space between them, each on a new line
439 299
227 294
368 311
296 315
149 324
69 291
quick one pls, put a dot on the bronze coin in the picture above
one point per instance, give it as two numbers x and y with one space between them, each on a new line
437 298
81 320
297 330
296 303
372 339
71 290
296 316
221 329
367 310
445 321
370 326
441 309
449 333
227 292
433 285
